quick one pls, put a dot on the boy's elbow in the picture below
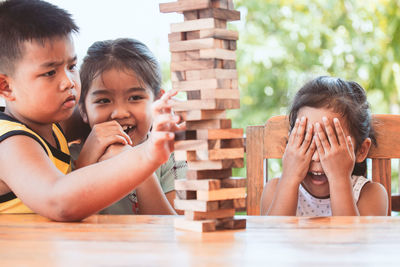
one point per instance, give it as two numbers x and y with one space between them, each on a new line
62 211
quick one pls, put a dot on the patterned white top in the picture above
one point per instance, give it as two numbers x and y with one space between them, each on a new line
308 205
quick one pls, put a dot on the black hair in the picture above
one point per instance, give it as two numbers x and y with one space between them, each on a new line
29 20
122 54
343 97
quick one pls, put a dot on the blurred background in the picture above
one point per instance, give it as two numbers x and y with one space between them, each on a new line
282 44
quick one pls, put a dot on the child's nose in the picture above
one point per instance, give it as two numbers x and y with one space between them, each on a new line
119 112
315 156
67 81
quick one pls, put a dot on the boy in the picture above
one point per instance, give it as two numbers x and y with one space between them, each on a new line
40 84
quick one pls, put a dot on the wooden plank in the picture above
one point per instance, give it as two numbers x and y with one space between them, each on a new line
181 6
219 13
194 185
211 74
219 3
231 223
191 15
206 104
196 205
211 154
381 173
178 76
220 94
176 37
221 194
214 134
198 24
218 53
229 64
216 214
196 115
223 34
215 164
184 194
232 203
234 182
195 85
201 64
387 127
191 145
209 174
185 135
209 124
187 45
255 167
196 226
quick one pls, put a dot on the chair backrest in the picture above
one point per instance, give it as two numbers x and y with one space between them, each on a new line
269 141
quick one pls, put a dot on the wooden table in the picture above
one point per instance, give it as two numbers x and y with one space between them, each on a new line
101 240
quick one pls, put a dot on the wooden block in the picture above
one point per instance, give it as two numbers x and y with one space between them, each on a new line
218 53
181 194
231 143
192 55
225 153
215 164
178 56
201 64
195 85
233 182
219 94
190 15
206 104
181 6
195 45
185 135
196 115
231 223
192 35
222 34
196 226
232 203
198 24
195 205
209 124
221 194
219 3
194 185
213 134
211 74
229 64
191 145
232 45
178 76
217 214
176 37
209 174
219 13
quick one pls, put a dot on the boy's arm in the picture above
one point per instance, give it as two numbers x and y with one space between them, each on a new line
30 174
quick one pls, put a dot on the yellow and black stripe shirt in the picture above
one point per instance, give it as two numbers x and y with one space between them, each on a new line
9 203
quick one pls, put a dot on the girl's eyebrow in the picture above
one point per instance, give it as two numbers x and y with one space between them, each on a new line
100 92
136 89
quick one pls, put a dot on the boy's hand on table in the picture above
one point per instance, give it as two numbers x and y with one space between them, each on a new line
100 138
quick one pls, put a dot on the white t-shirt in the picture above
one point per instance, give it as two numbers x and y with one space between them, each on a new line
308 205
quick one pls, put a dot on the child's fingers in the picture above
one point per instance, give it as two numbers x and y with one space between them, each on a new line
339 131
323 141
330 133
300 132
294 131
311 148
318 144
165 122
307 139
351 145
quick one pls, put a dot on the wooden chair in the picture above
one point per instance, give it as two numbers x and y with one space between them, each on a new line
268 141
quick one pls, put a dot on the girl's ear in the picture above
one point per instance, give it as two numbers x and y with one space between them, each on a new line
83 114
363 150
5 89
160 94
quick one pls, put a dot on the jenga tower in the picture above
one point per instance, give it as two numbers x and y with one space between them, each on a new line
204 66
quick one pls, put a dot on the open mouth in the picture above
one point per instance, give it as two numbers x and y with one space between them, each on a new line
70 102
318 178
128 128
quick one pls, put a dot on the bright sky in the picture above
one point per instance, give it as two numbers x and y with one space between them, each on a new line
110 19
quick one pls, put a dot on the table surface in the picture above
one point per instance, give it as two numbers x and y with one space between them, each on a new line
111 240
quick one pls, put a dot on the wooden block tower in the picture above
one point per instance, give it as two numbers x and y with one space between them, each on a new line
203 64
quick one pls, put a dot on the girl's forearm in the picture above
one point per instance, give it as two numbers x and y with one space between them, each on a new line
342 200
152 199
285 199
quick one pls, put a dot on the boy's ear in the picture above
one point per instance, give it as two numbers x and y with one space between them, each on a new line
5 89
83 114
160 94
363 150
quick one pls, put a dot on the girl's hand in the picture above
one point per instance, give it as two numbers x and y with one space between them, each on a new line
336 152
299 150
161 141
100 138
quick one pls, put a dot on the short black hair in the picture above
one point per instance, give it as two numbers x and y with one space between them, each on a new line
29 20
123 54
347 98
